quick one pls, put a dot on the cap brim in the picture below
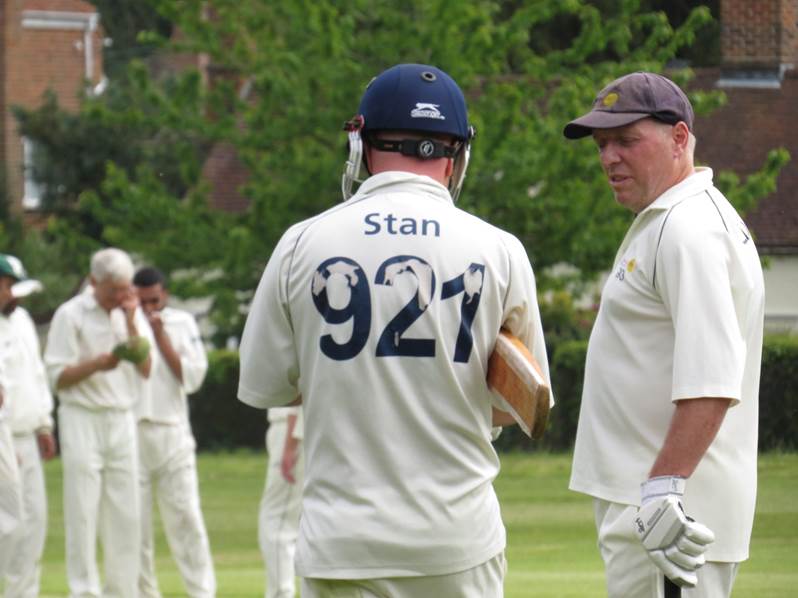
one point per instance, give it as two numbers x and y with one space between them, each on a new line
25 288
599 119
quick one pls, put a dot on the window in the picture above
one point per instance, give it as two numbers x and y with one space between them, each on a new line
33 190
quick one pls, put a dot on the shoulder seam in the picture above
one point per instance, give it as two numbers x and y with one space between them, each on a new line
659 241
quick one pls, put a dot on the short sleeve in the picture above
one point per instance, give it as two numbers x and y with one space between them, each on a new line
694 279
521 310
62 348
193 359
269 364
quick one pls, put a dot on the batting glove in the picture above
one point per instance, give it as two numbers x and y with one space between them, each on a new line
674 542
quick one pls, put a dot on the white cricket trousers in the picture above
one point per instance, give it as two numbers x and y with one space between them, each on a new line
24 570
278 517
168 469
10 496
101 494
483 581
629 571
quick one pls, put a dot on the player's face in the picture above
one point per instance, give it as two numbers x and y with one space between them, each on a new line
111 293
6 298
152 298
638 160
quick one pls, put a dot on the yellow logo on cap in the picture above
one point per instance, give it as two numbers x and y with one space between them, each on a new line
610 99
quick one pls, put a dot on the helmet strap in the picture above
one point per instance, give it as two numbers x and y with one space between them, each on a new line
424 149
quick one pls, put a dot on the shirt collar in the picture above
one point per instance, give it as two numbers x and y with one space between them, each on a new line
697 182
87 298
395 181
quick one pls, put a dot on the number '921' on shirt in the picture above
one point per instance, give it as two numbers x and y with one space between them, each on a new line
381 313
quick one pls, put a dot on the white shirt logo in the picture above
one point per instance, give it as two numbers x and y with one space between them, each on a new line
424 110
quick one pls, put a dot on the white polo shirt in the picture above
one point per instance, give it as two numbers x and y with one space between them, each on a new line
382 312
81 330
681 317
27 391
164 399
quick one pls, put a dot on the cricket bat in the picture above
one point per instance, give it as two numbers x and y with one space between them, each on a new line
515 376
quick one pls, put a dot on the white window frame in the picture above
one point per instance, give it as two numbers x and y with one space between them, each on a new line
78 21
32 190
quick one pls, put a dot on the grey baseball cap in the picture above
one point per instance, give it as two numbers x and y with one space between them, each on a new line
632 98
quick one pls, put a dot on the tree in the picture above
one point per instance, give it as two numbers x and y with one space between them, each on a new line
287 74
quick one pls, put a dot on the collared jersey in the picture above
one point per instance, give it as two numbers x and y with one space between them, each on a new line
27 391
81 330
681 317
164 399
382 312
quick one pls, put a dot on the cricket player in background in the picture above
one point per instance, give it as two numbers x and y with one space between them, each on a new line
167 459
29 405
381 313
281 503
668 421
10 486
97 393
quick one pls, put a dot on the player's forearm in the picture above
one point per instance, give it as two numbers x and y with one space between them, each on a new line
694 425
169 354
75 374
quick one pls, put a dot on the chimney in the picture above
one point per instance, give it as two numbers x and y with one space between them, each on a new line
759 41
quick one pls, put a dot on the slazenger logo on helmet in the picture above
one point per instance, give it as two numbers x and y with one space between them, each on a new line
424 110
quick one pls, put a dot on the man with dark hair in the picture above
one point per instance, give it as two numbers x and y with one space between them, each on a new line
381 313
669 407
167 459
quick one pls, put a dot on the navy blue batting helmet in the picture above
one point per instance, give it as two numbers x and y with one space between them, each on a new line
415 97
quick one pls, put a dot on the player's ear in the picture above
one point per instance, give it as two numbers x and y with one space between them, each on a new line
681 136
449 167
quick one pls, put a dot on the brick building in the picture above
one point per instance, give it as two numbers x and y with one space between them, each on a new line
44 44
759 43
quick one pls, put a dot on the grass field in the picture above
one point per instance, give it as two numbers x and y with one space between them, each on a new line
551 540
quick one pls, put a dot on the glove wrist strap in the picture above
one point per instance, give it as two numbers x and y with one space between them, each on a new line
661 486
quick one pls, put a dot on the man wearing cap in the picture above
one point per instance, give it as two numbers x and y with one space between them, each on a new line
10 486
381 314
28 408
668 422
97 392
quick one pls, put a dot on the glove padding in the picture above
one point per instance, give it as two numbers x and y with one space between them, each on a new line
674 542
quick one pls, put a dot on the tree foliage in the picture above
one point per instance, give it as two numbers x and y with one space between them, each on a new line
286 75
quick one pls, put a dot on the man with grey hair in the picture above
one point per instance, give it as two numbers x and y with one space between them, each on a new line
668 420
97 375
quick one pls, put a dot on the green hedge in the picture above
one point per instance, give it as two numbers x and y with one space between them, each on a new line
221 421
218 418
778 394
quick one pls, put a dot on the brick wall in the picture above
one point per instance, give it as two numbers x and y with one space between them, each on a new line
738 137
36 56
759 33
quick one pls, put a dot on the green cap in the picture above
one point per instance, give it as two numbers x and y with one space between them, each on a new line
11 266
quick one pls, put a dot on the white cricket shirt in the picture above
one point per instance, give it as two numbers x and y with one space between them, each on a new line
164 399
82 330
29 402
382 312
681 317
